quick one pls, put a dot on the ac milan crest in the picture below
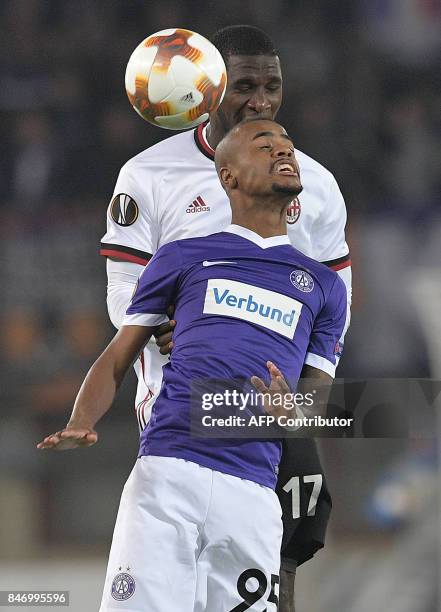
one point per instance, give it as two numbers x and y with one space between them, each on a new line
124 210
293 211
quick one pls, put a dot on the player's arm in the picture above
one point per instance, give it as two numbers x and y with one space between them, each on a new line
312 379
313 383
316 384
131 236
330 246
122 277
317 374
99 388
155 291
318 371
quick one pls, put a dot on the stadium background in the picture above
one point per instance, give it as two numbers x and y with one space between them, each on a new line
360 96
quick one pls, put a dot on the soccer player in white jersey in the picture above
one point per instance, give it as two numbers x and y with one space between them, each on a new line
188 537
171 191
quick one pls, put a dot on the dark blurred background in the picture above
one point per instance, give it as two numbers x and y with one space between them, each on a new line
362 95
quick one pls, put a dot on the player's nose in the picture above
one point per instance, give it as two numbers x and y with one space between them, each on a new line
260 102
283 149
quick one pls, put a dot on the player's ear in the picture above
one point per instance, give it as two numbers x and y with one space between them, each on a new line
227 178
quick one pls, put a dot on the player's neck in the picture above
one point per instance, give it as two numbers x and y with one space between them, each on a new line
263 222
214 133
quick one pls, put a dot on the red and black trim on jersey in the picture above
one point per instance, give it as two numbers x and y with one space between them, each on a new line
125 253
339 263
202 143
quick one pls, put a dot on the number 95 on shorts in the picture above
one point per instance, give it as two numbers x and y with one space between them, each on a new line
252 588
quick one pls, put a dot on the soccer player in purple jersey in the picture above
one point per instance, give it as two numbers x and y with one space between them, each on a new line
171 191
242 296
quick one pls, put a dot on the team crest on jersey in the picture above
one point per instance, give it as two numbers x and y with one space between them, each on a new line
302 281
123 586
293 211
124 210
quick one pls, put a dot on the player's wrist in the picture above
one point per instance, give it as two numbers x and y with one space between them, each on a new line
79 424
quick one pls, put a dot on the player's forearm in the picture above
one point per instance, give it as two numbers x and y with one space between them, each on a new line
301 421
316 384
96 393
286 594
105 376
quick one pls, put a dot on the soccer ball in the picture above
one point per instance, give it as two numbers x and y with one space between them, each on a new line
175 78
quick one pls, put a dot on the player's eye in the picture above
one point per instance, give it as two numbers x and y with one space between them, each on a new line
244 87
266 146
274 85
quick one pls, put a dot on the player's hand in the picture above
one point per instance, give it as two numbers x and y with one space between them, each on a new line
164 333
278 386
67 439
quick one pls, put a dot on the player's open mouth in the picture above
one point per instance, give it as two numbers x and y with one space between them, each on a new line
283 167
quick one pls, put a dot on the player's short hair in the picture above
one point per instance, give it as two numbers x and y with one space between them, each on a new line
242 40
219 157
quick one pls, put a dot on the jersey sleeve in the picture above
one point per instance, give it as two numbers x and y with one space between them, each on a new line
132 228
325 345
330 247
156 288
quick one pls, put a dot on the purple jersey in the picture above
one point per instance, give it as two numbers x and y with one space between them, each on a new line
240 300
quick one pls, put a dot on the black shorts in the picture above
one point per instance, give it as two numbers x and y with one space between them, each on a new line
305 500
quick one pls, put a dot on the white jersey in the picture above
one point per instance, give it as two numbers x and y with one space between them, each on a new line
171 191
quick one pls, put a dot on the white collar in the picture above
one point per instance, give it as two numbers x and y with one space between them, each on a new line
263 243
204 137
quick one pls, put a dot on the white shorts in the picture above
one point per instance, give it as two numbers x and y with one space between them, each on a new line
190 539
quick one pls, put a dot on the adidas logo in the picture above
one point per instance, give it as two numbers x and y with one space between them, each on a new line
198 205
187 98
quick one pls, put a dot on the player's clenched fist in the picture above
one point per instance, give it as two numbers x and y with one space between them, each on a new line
69 438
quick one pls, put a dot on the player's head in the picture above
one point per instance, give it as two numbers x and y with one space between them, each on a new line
254 85
256 159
